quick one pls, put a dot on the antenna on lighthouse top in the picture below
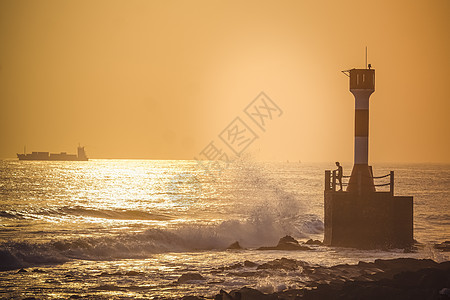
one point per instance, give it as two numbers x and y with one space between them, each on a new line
366 57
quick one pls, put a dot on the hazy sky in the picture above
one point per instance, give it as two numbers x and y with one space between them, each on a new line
162 79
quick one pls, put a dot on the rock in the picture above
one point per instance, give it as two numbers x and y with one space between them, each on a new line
444 246
191 298
426 278
283 263
232 267
286 243
289 243
287 239
250 264
133 273
235 246
223 296
22 271
394 266
412 279
402 278
445 291
313 242
38 271
109 287
246 293
185 278
244 274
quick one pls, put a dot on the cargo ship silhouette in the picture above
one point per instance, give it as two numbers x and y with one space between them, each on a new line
63 156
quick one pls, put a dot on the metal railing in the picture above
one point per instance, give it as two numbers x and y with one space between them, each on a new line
331 180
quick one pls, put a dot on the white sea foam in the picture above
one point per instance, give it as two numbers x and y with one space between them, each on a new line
258 231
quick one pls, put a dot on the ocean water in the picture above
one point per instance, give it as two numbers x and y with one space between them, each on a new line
131 228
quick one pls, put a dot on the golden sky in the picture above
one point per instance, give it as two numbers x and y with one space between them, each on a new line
162 79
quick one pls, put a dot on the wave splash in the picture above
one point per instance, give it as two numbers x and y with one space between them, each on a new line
250 233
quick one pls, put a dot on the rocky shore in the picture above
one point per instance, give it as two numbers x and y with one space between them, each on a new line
403 278
273 279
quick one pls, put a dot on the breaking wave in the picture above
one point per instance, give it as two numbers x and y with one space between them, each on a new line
249 233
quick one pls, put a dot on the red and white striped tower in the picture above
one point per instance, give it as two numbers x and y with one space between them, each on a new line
362 85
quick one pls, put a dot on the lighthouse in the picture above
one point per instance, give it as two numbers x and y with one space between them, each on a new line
366 214
362 85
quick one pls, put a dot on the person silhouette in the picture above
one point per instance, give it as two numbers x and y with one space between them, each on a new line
339 174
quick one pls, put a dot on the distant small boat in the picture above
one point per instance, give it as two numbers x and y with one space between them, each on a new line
63 156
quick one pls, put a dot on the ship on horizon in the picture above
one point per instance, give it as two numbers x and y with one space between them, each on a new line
63 156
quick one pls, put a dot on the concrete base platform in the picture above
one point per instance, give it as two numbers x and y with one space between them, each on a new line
369 221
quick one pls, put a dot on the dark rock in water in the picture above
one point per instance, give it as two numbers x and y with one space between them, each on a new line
246 293
22 271
393 266
133 273
185 278
286 243
38 271
222 295
232 267
235 246
289 243
109 287
444 246
425 278
313 242
282 263
250 264
287 240
445 292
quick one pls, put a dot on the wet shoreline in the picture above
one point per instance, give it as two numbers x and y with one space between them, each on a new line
402 278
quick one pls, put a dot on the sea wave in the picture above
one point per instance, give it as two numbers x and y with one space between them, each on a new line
438 219
78 211
272 213
193 237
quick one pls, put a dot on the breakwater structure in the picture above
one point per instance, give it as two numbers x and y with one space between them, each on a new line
359 216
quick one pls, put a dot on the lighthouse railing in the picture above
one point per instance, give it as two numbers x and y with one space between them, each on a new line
390 183
331 181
